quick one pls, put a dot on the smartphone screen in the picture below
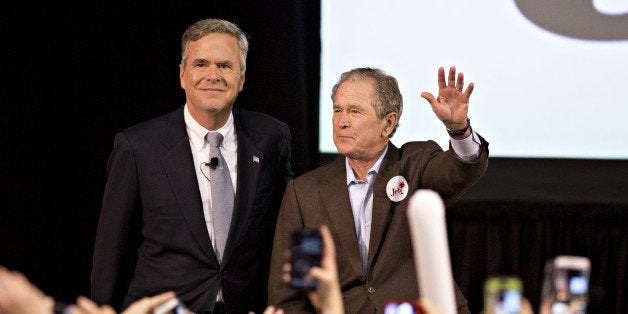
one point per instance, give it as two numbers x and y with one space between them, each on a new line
566 285
502 295
307 249
172 306
402 307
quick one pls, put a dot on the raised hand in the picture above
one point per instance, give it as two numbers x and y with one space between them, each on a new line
452 104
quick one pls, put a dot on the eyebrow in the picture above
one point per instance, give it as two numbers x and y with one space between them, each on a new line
203 60
200 61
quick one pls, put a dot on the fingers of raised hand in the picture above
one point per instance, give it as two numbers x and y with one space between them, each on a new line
451 79
441 78
460 82
467 93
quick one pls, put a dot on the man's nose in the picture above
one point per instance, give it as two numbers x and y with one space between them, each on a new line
213 73
343 121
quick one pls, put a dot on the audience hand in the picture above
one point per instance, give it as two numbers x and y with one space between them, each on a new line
20 296
271 310
145 305
326 298
84 305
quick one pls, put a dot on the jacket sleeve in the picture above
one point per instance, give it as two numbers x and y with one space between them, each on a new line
115 246
280 293
285 155
450 176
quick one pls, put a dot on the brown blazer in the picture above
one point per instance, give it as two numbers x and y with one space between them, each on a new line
321 197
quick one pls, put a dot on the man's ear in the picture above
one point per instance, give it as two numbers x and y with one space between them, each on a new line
181 73
390 120
242 77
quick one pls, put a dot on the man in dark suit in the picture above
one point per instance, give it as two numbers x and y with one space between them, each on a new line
158 225
362 195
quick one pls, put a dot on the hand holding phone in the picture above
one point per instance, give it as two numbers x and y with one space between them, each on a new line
503 295
566 285
395 306
306 252
170 306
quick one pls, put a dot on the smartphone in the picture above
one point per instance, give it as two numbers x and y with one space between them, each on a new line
395 306
306 252
172 306
566 285
503 295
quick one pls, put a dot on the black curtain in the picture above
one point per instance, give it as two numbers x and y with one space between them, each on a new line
517 238
75 74
523 212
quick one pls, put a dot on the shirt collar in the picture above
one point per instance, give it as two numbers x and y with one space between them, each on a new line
197 132
375 169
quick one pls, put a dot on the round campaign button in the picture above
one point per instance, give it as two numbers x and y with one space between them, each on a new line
397 188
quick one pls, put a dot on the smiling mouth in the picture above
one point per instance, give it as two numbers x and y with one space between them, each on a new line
212 90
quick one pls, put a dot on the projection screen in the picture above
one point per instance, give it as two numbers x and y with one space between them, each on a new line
550 76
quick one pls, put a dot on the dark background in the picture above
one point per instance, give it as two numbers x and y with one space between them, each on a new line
75 74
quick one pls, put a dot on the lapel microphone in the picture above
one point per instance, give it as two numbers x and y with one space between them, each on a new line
213 162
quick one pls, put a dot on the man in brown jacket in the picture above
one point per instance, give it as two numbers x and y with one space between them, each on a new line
363 195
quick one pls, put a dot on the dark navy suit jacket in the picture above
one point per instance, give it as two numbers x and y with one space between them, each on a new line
152 235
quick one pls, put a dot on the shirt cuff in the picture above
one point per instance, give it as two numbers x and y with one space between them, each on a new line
467 149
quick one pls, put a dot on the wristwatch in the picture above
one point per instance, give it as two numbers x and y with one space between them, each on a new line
461 131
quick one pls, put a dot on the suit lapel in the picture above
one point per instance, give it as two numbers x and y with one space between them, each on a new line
382 205
250 159
340 213
181 174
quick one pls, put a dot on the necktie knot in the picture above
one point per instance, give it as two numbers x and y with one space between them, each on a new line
214 138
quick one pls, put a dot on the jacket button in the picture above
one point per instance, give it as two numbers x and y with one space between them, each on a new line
371 290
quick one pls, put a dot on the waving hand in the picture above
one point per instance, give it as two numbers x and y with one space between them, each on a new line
452 104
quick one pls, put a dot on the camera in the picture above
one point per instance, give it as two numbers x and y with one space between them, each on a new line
566 285
395 306
306 252
503 295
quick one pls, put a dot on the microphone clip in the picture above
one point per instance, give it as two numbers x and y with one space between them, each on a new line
213 163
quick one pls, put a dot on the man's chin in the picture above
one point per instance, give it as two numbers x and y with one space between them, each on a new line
342 150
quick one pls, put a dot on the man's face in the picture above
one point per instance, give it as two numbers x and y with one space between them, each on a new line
358 133
212 77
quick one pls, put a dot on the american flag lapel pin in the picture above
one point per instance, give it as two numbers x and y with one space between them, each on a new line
255 159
